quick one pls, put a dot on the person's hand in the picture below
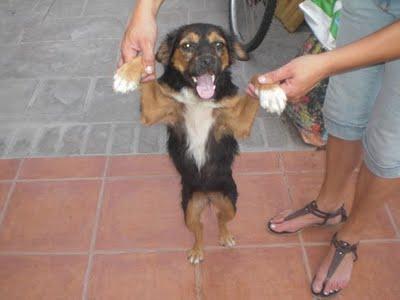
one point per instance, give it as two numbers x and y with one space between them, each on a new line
297 77
139 39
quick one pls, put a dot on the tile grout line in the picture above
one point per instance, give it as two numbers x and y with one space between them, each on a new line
264 132
305 257
136 139
39 87
285 178
299 236
59 155
94 233
36 5
89 95
392 221
10 192
35 141
280 163
12 141
89 99
7 141
198 282
110 139
45 15
67 18
85 139
69 40
82 123
58 77
59 143
148 250
183 250
84 6
39 253
162 140
380 241
113 178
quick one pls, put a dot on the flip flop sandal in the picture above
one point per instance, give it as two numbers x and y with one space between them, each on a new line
311 208
341 249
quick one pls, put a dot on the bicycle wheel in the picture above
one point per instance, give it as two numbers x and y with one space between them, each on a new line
249 20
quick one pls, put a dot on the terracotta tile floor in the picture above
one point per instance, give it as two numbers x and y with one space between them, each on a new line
112 228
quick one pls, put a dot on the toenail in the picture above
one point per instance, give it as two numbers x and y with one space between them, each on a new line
149 69
262 79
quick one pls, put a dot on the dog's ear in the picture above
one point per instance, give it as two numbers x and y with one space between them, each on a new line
239 52
166 48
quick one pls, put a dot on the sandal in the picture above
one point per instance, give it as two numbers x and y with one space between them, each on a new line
341 249
311 208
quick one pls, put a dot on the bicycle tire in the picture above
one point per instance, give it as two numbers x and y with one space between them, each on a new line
263 28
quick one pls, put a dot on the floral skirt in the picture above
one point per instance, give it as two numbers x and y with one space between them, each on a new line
306 114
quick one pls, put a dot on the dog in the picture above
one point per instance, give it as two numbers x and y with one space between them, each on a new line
204 115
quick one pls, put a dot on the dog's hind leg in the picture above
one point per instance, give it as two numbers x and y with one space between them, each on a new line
226 212
193 209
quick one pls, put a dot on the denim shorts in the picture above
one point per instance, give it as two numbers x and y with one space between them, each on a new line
365 104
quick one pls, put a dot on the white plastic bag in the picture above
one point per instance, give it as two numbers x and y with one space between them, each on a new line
323 16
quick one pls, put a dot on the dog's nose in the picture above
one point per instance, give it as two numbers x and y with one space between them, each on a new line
206 61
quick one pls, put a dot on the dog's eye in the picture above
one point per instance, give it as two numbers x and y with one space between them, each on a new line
187 46
219 45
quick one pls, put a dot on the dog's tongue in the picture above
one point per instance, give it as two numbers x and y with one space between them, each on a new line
205 86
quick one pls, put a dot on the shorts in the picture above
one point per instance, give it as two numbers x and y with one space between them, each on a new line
365 104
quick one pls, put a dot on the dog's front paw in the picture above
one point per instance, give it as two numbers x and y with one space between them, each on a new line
122 85
127 78
272 98
195 255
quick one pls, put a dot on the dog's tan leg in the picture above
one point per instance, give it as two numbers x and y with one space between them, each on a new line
194 209
226 213
238 115
156 105
127 78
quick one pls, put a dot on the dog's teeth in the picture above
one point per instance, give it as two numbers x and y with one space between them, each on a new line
213 78
194 79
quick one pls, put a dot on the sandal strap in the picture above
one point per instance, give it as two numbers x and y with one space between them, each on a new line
312 208
341 249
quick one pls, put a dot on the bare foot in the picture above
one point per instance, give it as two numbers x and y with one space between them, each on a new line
340 277
279 224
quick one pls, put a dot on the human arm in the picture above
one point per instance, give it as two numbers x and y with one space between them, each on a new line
301 74
140 35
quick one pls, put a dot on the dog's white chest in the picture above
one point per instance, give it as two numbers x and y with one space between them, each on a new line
198 120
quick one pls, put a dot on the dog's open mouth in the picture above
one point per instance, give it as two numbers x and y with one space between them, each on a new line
205 86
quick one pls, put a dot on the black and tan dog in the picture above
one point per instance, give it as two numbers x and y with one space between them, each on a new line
204 114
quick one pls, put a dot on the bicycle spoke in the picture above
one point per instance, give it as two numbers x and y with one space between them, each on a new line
250 20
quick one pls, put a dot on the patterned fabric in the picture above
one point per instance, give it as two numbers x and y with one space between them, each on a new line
306 115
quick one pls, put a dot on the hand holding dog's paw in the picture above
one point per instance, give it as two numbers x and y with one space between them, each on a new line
273 99
272 96
128 76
